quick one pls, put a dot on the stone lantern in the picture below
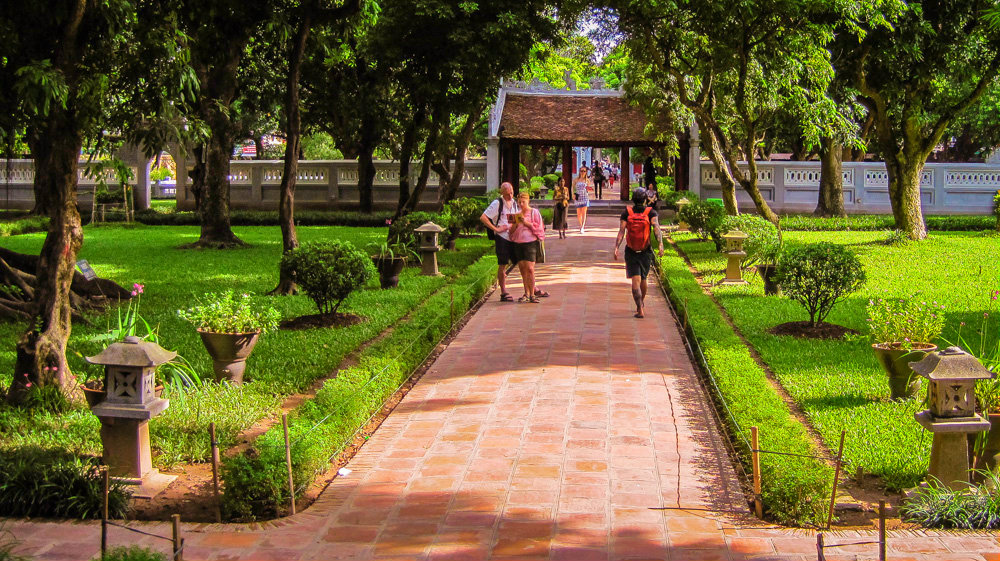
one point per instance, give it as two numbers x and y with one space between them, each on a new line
951 393
681 225
131 400
735 254
429 247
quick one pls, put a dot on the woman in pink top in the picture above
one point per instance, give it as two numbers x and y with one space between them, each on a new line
526 232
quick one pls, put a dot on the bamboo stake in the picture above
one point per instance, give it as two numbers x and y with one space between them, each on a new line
215 471
451 309
836 478
755 447
104 514
881 530
178 542
820 556
288 462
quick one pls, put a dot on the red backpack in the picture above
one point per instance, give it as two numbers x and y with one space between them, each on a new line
637 229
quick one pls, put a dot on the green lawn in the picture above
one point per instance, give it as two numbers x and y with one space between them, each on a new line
838 383
283 362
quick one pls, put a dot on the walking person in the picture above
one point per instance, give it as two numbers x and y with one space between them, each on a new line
582 197
496 218
599 179
527 232
560 208
635 226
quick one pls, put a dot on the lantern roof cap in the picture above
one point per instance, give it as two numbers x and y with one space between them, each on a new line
735 235
951 364
132 351
429 227
682 201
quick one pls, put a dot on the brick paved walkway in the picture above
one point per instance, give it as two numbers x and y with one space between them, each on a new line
565 430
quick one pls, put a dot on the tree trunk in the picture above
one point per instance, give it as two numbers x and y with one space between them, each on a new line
289 174
904 193
461 149
831 181
425 170
216 230
366 177
197 176
711 146
41 351
405 156
258 143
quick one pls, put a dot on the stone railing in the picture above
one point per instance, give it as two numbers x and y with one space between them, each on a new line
327 184
254 184
787 186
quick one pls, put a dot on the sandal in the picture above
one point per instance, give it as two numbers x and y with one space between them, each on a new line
506 297
523 299
541 293
534 300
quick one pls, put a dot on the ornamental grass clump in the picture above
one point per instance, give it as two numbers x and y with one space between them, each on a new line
900 322
976 507
328 271
228 312
818 275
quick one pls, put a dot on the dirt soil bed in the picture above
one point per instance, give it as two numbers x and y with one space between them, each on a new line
803 329
321 320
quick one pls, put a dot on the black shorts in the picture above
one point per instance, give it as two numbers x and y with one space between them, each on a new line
637 263
505 251
526 251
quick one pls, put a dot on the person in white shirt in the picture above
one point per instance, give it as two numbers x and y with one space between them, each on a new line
496 218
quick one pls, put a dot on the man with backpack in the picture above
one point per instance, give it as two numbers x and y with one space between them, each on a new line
635 227
496 218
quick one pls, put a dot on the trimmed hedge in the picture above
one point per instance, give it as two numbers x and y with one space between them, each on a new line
795 490
152 217
256 482
877 222
24 225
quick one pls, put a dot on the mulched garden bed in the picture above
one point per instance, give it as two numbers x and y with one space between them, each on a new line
321 320
803 330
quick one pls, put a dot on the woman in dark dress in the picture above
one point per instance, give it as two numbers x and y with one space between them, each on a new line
560 200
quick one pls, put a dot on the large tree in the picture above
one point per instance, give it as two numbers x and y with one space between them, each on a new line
938 59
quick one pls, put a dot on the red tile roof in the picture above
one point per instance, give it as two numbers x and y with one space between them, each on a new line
573 118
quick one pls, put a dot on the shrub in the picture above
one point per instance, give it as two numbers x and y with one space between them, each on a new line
47 483
550 180
132 553
702 217
229 313
974 508
465 213
762 236
328 271
818 275
401 229
996 208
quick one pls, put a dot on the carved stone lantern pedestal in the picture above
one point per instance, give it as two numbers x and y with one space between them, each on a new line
952 375
129 368
428 248
681 225
735 255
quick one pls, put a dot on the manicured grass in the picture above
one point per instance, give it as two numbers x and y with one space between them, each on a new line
838 383
282 363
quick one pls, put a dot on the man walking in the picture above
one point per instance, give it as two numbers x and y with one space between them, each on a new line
495 218
635 226
599 177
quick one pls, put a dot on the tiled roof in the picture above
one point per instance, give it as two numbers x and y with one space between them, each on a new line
572 118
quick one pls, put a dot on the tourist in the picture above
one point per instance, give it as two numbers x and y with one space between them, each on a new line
560 208
652 197
582 197
612 176
496 219
598 175
527 233
635 226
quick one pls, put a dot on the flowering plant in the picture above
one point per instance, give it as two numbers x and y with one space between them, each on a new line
231 313
901 322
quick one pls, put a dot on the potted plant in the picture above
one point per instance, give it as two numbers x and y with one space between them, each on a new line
903 330
390 259
229 325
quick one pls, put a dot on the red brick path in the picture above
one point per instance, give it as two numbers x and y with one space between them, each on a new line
566 430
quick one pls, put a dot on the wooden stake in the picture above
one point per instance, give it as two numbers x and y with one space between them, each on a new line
104 514
758 503
288 462
178 542
215 471
451 308
836 478
860 475
881 530
820 556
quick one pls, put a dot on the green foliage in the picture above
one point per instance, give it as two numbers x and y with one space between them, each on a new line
795 489
550 180
818 275
228 313
703 217
391 251
327 271
320 146
260 218
762 236
996 209
24 226
897 238
876 222
159 174
46 483
256 482
132 553
465 212
46 398
905 320
976 507
8 543
401 229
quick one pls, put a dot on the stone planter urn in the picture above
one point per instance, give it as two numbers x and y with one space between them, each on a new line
389 270
229 352
894 359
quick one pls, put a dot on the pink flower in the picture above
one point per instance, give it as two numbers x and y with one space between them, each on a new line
137 288
134 293
27 384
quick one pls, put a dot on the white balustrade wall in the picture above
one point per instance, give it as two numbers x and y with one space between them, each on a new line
793 187
255 184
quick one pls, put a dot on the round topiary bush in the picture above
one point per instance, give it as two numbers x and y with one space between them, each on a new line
762 235
550 180
328 271
818 275
702 217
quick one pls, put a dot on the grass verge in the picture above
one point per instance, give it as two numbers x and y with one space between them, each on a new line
256 481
